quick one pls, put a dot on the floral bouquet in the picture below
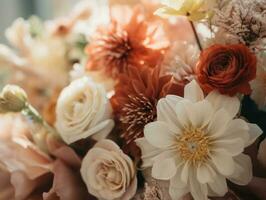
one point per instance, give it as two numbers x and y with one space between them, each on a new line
139 99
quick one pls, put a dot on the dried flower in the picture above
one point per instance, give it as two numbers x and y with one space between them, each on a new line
152 193
226 68
194 10
244 19
131 41
135 99
180 61
12 99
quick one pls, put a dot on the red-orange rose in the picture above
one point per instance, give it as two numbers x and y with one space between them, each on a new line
226 68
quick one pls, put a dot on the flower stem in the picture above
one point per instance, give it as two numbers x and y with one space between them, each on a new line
33 116
196 35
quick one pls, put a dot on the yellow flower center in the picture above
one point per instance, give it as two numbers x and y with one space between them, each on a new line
194 145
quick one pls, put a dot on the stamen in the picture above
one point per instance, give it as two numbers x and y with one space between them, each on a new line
194 145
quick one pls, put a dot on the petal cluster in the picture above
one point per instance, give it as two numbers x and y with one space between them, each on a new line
83 110
197 143
109 173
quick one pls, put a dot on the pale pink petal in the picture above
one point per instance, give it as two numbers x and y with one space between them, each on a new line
69 156
67 183
6 189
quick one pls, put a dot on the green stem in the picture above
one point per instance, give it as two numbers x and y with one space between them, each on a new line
196 35
34 117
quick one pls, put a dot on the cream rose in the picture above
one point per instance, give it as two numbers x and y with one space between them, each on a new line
108 173
83 110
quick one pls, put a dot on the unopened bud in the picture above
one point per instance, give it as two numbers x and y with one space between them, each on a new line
12 99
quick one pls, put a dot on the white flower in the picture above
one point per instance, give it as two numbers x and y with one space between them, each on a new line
82 110
109 173
197 143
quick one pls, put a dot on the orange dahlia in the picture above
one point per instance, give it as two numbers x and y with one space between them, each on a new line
128 41
135 99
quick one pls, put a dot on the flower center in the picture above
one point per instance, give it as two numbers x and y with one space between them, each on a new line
117 49
194 145
138 112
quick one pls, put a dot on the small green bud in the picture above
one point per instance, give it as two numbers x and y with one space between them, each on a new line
12 99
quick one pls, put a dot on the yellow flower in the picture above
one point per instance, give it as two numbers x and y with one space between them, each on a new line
195 10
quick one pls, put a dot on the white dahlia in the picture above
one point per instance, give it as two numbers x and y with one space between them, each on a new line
197 144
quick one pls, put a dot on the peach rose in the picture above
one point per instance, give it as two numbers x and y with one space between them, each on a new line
226 68
109 173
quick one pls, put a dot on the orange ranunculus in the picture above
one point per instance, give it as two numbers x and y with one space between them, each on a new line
226 68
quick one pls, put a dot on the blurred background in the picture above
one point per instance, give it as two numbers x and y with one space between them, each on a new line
45 9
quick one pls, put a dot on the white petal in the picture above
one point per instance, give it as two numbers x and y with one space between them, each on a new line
198 191
177 188
224 163
205 173
105 131
159 135
164 169
165 111
148 152
185 172
219 186
193 92
218 123
231 147
201 114
254 133
184 112
103 128
230 104
236 128
167 154
243 170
